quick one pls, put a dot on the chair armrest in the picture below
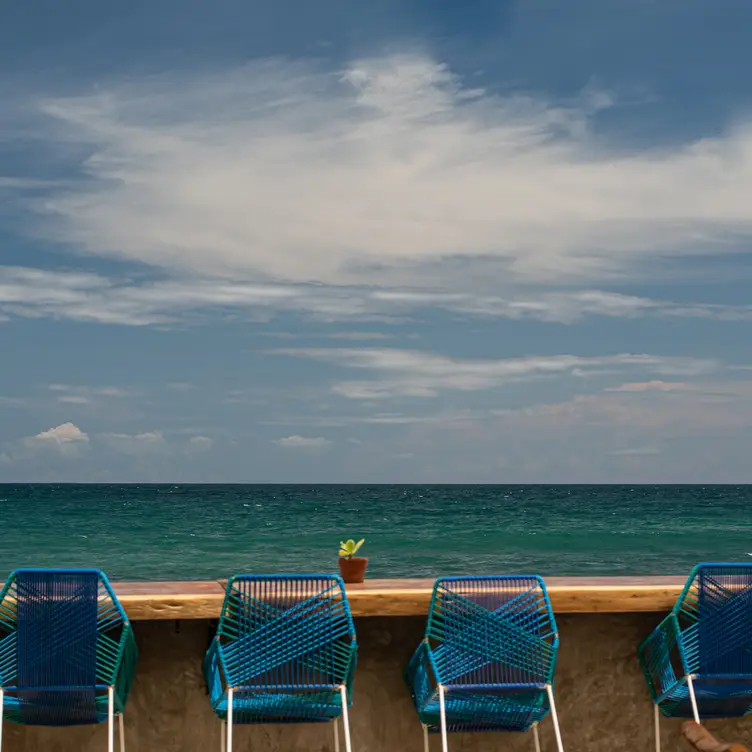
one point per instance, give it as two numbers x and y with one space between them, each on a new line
656 653
350 672
127 668
213 674
421 674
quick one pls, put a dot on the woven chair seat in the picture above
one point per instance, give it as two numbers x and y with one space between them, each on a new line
281 707
60 708
486 710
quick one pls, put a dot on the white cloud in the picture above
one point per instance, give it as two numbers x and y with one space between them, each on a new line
302 442
66 433
73 399
67 439
283 170
413 373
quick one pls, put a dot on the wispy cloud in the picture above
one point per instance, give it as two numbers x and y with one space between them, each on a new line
147 442
87 297
302 442
71 394
415 373
295 172
12 401
638 451
359 336
648 386
201 443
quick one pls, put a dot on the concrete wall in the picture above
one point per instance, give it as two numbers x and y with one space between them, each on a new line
601 696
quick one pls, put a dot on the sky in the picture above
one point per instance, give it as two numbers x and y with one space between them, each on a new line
400 241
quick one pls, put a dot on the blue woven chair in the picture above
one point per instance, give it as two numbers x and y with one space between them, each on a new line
487 660
284 652
67 651
698 660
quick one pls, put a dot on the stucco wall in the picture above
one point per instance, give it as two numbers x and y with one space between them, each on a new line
601 696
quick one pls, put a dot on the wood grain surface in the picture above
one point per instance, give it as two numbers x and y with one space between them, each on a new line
409 597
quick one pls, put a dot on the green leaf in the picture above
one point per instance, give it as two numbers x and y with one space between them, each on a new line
358 545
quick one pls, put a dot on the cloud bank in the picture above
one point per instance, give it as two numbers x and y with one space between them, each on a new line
387 169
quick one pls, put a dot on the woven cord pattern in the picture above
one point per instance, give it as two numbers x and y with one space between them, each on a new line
285 644
63 641
492 643
708 635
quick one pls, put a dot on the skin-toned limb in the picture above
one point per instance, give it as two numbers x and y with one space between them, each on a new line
703 741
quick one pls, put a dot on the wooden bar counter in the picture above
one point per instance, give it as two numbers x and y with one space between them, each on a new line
147 601
602 699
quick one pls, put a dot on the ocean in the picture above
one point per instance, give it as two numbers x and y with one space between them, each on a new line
164 532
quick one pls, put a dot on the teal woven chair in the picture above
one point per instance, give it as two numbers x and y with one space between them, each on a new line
487 660
67 651
284 652
698 661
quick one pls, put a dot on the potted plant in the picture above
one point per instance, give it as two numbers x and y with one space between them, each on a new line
352 567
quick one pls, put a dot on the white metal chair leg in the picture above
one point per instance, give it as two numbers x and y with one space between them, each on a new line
345 718
229 720
536 737
554 717
425 738
657 728
2 714
222 735
336 735
111 719
121 724
442 709
692 698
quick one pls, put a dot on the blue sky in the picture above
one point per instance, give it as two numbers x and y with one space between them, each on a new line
399 241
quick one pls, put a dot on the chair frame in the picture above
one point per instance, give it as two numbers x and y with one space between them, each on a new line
223 676
115 658
674 645
424 657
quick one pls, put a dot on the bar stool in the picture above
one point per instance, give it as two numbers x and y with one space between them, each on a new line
487 660
284 652
67 650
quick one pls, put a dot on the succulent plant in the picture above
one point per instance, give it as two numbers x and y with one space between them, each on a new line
348 549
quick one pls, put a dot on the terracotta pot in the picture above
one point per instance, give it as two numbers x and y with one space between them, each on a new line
353 570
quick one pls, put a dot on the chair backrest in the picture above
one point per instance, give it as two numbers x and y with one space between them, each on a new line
57 627
492 630
286 630
719 598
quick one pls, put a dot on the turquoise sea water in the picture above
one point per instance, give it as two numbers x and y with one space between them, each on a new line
202 532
